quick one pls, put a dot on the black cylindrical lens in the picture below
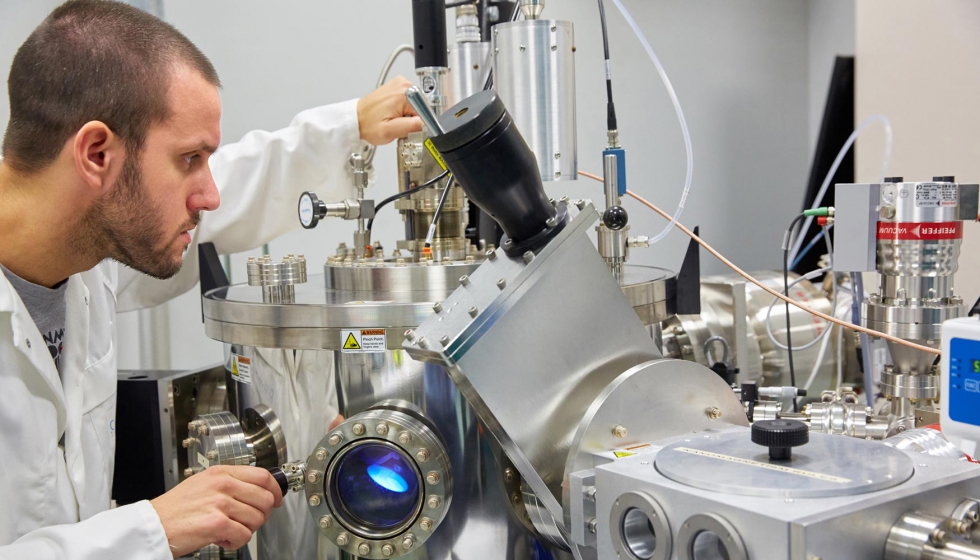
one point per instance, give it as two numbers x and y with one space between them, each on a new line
429 23
490 159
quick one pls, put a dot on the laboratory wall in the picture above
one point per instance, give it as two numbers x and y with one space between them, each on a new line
918 65
751 77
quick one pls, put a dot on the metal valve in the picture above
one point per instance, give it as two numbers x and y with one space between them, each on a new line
311 210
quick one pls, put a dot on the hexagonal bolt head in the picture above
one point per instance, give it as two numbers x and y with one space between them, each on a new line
408 541
620 431
187 443
343 539
313 477
188 472
404 438
387 550
202 429
382 429
432 477
321 454
363 549
192 426
325 522
212 455
713 412
422 455
357 429
335 439
314 500
433 502
425 524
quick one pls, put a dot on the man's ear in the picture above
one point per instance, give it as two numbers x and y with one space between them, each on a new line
98 155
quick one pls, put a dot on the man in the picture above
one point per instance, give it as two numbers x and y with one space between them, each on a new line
110 154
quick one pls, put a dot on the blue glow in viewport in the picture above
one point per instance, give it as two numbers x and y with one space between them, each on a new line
387 478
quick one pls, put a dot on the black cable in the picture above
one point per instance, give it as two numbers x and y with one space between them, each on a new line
442 202
610 106
789 338
403 194
460 3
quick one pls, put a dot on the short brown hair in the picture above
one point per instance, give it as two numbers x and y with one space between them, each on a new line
92 60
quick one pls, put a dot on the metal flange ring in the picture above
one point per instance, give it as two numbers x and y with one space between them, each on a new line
707 535
639 528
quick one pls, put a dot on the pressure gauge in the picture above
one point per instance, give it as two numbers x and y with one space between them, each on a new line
311 210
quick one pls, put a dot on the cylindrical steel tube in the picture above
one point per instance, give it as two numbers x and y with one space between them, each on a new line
534 74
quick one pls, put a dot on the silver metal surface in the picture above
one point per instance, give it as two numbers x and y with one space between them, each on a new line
534 75
467 27
851 527
264 431
828 466
639 528
840 413
651 292
218 439
924 536
560 366
726 297
709 537
470 63
277 279
421 104
532 8
926 441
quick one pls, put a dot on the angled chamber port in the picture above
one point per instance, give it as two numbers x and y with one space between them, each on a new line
709 537
222 439
380 484
639 528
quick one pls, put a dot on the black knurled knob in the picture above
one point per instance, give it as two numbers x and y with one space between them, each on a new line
780 436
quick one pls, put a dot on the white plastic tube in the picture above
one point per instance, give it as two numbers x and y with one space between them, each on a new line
817 202
680 117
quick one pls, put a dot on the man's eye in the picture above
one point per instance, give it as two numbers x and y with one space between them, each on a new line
190 159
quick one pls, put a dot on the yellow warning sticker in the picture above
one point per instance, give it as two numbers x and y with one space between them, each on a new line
363 341
435 153
241 369
621 454
351 343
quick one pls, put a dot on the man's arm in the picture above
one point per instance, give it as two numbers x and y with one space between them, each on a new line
222 505
261 177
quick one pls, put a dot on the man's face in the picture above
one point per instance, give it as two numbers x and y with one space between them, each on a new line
146 218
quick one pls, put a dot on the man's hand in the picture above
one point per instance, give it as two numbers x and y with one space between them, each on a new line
385 115
221 505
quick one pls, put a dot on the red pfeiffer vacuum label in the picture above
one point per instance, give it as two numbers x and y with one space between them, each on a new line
915 231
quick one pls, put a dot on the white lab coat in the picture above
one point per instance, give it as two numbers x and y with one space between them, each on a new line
56 506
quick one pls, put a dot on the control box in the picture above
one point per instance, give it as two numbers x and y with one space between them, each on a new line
960 404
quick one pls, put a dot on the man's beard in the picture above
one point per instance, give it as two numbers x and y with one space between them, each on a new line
127 227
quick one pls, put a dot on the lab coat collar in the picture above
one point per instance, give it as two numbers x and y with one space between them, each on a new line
73 365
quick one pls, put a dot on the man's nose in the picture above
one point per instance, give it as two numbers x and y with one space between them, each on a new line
206 197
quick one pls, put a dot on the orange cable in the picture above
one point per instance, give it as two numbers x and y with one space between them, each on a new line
772 292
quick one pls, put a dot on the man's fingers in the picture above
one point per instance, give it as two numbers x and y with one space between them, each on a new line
233 536
258 497
401 127
245 514
258 477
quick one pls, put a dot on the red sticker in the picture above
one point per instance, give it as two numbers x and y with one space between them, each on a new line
915 231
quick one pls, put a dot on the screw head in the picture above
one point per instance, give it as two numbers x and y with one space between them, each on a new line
404 438
432 477
474 312
528 256
509 475
423 343
713 412
433 502
335 439
188 472
410 335
422 455
363 549
321 454
551 222
620 431
464 280
325 522
343 539
192 426
387 550
425 524
501 283
314 500
212 455
382 429
187 443
408 541
492 254
444 341
580 204
202 429
357 429
313 477
437 307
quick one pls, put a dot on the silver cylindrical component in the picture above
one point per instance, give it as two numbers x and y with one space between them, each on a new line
469 64
277 278
435 86
926 441
467 25
611 179
534 74
532 8
921 536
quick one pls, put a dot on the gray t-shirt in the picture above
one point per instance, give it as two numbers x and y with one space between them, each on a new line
47 308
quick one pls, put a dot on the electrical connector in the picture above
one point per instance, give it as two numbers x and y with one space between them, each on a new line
818 212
